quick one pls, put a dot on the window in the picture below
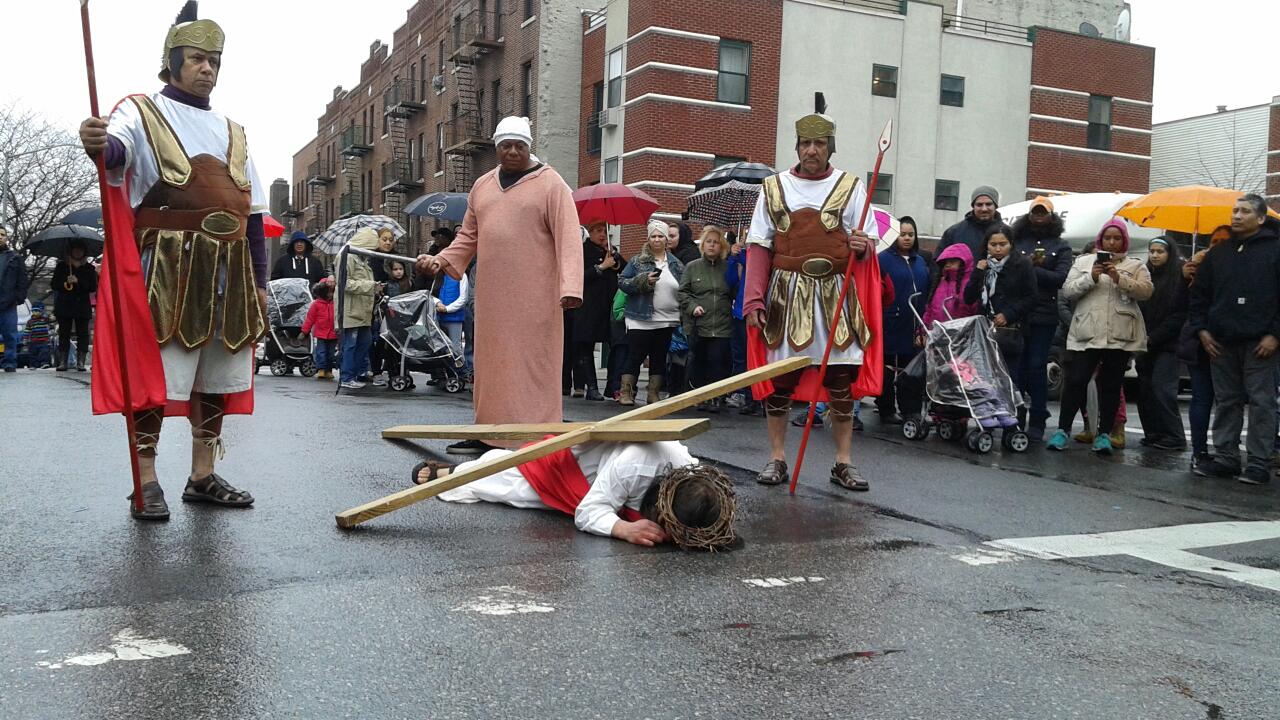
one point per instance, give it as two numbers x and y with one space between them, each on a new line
426 78
496 110
1099 137
613 72
526 89
440 56
610 174
597 134
413 81
439 145
368 200
946 194
952 92
722 160
530 7
480 110
735 71
497 19
884 189
422 156
884 80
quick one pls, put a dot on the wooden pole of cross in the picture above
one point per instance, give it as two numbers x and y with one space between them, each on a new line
639 425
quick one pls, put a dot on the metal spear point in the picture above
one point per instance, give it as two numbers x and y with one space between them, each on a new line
886 139
127 405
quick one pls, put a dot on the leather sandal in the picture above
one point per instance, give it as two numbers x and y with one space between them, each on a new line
848 477
216 491
153 505
433 466
774 473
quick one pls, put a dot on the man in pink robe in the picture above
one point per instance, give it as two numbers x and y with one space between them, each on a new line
522 228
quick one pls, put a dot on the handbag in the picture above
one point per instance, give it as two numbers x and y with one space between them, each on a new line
1008 339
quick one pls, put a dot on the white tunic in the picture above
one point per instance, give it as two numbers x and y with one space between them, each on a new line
201 132
801 193
619 474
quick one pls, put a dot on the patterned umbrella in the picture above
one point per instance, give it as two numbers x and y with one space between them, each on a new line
340 233
747 172
440 206
613 203
728 206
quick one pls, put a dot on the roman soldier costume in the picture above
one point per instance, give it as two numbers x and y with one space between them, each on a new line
182 174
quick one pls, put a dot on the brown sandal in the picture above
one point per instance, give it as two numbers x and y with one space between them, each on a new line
848 477
774 473
214 490
434 466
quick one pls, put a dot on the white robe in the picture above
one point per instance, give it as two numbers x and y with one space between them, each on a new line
800 194
619 474
201 132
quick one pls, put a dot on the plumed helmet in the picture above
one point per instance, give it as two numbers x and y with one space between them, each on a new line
188 31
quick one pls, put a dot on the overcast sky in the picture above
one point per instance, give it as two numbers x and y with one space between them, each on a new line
284 57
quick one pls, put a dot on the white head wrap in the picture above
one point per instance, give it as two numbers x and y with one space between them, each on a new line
658 225
513 128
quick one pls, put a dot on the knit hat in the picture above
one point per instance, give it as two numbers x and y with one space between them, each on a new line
1113 223
987 190
655 225
513 128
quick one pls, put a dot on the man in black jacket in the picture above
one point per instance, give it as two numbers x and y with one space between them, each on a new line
1235 311
299 262
970 231
13 292
1038 237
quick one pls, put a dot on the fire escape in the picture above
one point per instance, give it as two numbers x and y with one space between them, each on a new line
475 36
320 175
353 146
403 174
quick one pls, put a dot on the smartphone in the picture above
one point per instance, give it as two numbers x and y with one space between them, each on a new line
1039 254
1102 257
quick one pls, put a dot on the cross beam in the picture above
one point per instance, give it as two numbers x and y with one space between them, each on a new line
638 425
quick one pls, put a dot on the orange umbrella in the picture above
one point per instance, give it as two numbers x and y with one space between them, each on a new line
1188 209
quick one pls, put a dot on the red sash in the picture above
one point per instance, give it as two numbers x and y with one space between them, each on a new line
560 483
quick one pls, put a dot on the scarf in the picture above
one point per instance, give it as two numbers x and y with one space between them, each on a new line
994 267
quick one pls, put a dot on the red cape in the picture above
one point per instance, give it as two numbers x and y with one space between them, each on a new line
560 483
867 286
142 352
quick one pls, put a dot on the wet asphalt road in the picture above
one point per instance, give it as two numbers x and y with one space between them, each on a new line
887 604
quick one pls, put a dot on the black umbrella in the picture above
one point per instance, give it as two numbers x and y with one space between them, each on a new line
55 241
90 217
747 172
439 205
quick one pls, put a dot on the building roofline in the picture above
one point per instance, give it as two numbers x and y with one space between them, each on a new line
1211 114
1036 29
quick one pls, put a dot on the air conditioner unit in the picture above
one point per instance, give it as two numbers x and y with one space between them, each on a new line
608 118
437 83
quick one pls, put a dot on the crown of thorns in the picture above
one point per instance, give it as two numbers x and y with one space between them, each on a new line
712 537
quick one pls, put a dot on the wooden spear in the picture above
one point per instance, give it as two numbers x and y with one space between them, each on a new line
886 139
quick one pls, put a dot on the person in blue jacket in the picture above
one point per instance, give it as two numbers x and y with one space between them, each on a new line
904 266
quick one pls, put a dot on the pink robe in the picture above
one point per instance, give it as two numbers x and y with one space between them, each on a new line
528 248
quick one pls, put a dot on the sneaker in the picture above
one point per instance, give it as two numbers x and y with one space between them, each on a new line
1058 441
803 416
1035 433
735 401
857 424
1197 462
1213 467
1117 439
1102 445
380 380
469 447
1256 476
1085 437
353 385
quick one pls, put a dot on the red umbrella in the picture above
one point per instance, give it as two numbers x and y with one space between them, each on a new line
613 203
271 227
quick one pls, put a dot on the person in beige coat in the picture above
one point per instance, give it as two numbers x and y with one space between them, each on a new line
357 311
1106 328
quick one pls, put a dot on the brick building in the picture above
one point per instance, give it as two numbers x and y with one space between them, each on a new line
670 91
421 116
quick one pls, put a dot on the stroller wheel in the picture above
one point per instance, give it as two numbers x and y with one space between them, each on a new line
971 440
454 385
914 429
1016 441
308 368
984 442
400 383
280 367
947 431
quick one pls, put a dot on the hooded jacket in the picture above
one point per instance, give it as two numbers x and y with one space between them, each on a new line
1165 312
13 280
687 250
292 265
946 299
1236 294
1107 316
1052 271
907 276
968 231
357 306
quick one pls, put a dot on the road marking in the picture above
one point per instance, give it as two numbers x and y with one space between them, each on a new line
981 556
505 600
780 582
126 645
1167 546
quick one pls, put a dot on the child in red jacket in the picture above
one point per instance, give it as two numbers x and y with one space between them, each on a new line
319 324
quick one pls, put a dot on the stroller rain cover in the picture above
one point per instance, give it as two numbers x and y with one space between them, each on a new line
288 300
965 369
411 328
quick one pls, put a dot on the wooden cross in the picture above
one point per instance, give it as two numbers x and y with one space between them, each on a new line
638 425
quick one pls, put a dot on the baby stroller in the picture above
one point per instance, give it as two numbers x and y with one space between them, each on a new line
286 348
410 329
966 379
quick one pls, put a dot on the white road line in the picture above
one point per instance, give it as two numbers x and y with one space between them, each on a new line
505 600
126 645
980 556
780 582
1164 545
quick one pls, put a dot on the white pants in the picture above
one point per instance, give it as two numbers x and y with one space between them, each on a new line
507 487
210 369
